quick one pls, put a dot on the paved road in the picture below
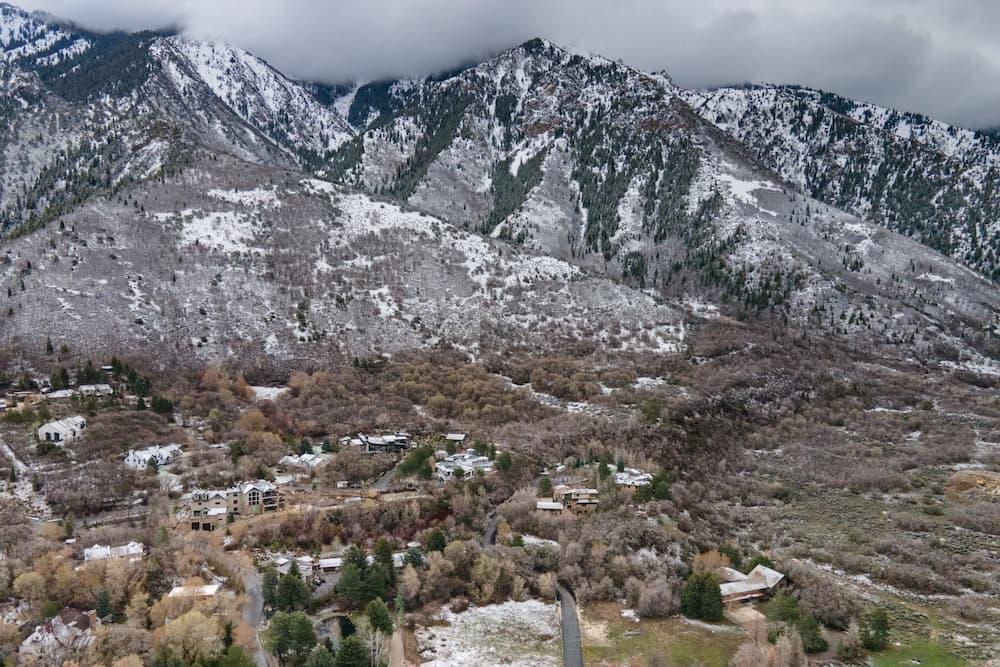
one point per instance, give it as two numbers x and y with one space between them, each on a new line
490 533
385 480
572 651
253 611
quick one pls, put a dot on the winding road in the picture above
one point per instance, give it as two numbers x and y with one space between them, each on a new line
572 648
569 622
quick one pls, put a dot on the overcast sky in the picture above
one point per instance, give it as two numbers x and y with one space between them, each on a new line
940 57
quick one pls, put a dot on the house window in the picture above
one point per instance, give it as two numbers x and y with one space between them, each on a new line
253 497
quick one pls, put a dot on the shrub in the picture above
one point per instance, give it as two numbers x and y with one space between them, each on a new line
875 630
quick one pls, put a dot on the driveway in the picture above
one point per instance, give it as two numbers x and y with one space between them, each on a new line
253 611
385 480
572 649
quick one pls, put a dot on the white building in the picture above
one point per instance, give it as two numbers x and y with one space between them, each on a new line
468 462
310 461
63 430
457 438
739 587
95 390
131 551
138 459
206 591
633 478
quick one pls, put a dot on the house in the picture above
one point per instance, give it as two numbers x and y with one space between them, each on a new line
469 462
308 461
131 551
211 508
457 438
739 587
576 499
3 405
549 506
138 459
60 394
62 430
95 390
633 478
62 638
206 591
389 442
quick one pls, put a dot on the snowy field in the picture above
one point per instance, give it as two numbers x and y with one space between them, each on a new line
515 634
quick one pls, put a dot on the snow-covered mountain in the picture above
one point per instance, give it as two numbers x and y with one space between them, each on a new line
200 164
85 112
909 173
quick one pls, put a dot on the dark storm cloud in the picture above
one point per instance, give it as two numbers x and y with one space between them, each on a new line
940 58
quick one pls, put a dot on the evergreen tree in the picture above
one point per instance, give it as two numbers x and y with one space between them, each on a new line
48 341
292 592
436 540
320 657
702 598
269 586
103 603
290 637
350 585
227 634
504 463
352 653
875 630
544 487
379 617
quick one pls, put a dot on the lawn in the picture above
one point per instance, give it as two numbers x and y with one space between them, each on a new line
918 653
675 641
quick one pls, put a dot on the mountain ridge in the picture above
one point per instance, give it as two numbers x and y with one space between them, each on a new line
546 152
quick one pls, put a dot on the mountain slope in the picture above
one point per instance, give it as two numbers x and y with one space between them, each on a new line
608 168
229 257
908 173
86 112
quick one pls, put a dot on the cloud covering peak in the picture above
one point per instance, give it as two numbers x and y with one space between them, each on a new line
938 58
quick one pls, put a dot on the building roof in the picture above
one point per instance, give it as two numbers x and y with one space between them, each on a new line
208 590
549 505
455 437
758 580
104 552
69 427
771 577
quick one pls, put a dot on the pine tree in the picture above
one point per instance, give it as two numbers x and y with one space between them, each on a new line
436 540
269 586
379 617
292 592
320 657
102 606
352 653
350 585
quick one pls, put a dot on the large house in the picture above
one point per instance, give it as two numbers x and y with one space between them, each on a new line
576 499
210 509
633 478
130 551
388 442
62 638
139 459
739 587
62 430
469 462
